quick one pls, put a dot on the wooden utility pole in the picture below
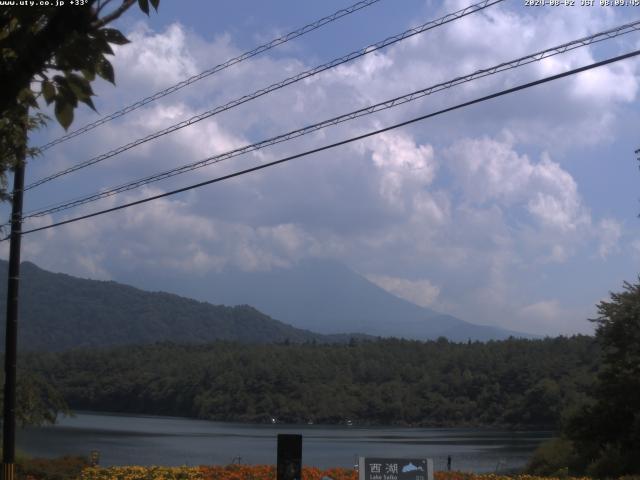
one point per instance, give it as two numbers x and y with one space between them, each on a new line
11 332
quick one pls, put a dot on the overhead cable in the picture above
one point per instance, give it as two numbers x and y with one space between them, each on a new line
232 61
273 87
342 142
387 104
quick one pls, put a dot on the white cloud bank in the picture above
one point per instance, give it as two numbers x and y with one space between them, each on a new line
421 292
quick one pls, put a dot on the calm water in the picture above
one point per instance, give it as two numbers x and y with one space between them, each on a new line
147 440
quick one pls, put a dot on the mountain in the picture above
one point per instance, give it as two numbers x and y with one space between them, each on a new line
323 296
59 312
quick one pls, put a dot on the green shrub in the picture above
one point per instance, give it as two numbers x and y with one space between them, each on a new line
553 458
612 460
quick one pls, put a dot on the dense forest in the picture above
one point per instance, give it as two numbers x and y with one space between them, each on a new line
516 382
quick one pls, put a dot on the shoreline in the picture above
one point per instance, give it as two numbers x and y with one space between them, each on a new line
353 425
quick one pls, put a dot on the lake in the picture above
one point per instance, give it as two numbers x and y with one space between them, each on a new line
152 440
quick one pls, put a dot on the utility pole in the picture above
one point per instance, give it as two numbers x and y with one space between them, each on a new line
11 332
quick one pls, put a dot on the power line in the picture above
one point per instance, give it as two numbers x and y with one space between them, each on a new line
240 58
598 37
342 142
273 87
611 33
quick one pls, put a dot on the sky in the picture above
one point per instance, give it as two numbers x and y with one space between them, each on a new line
519 212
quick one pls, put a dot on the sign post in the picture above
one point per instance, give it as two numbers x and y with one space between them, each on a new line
289 465
372 468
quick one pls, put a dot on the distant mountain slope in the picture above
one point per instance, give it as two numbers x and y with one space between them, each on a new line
326 297
58 312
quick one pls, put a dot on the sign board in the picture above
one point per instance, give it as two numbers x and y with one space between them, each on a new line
373 468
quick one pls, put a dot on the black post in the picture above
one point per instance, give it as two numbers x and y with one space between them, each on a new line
289 465
11 333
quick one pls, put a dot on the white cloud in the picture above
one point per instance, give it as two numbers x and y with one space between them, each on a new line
556 201
490 170
371 66
421 292
487 169
547 316
595 85
403 166
609 230
166 234
157 59
558 254
431 209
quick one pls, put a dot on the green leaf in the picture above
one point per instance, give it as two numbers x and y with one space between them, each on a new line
89 74
64 91
8 54
80 85
64 112
68 96
114 36
27 97
78 53
81 89
155 4
89 102
101 45
48 91
144 6
105 70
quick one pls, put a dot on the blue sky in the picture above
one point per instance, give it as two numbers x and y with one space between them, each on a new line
520 212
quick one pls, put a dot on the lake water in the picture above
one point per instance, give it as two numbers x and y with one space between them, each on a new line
150 440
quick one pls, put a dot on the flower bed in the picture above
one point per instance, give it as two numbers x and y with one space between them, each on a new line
260 472
142 473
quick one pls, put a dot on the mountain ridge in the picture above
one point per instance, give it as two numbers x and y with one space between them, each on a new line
324 296
317 301
59 311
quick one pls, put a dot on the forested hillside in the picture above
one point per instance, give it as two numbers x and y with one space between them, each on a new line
524 383
59 312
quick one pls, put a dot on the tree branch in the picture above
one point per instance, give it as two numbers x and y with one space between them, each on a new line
113 15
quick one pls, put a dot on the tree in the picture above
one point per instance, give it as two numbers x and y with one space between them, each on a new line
606 433
52 53
48 54
39 401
